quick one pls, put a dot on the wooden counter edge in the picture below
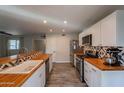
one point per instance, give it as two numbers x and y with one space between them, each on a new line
112 68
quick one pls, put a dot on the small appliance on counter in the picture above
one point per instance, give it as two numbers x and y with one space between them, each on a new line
112 58
92 54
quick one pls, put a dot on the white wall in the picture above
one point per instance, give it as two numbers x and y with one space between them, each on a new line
29 41
59 46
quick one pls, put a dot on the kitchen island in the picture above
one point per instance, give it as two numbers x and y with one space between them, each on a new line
17 80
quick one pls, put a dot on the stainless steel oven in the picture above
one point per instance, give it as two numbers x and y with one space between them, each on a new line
80 67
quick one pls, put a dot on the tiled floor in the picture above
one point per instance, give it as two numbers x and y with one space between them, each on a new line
64 75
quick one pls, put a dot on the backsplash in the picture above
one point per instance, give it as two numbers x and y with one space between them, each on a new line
102 51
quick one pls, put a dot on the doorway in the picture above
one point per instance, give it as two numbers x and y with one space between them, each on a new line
39 45
59 46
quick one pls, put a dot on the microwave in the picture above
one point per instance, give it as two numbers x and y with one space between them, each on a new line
87 40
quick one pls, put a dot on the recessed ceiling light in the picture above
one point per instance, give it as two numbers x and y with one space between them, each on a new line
65 22
44 21
63 30
51 30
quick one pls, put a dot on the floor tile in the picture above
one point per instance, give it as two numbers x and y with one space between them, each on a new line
64 75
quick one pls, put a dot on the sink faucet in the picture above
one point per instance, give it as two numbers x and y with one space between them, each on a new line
23 50
17 59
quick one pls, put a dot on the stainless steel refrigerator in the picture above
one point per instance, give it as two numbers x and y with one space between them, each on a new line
74 47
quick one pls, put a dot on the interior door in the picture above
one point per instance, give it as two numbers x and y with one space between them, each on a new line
62 49
51 46
39 45
59 46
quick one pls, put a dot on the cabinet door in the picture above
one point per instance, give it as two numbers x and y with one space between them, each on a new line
80 38
95 77
42 76
108 30
96 35
37 79
92 75
87 73
50 63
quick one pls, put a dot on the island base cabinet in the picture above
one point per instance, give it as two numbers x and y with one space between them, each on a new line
50 63
37 79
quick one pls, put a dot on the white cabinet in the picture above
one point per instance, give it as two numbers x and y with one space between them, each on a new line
95 77
50 63
107 32
37 79
112 29
82 34
96 34
80 38
91 75
87 74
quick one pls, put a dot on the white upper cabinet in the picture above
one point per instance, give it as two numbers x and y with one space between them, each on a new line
109 31
80 39
96 34
112 29
82 34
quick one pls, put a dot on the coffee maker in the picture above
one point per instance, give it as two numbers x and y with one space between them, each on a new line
113 58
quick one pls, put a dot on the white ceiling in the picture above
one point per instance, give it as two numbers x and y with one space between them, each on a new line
28 19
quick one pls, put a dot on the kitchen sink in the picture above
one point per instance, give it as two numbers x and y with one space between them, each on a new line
23 68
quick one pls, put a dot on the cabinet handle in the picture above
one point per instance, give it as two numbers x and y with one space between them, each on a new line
94 70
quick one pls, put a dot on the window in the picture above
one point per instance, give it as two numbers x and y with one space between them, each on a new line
14 44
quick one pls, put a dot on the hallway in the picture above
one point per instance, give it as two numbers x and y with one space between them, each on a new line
64 75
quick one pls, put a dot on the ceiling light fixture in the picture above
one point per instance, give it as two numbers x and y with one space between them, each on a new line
51 30
63 30
44 21
65 22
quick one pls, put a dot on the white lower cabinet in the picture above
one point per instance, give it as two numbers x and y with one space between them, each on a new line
37 79
95 74
95 77
91 75
50 63
74 60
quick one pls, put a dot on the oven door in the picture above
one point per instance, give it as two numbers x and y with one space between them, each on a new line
78 64
80 68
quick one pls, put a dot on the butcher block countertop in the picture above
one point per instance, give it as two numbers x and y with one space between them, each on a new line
99 64
7 59
16 80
